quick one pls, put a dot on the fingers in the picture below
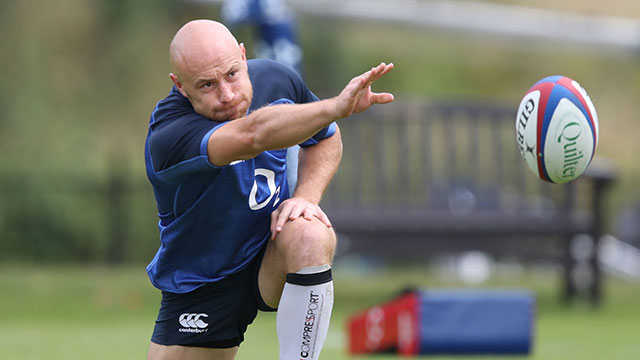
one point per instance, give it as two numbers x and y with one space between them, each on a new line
323 217
292 209
381 98
287 211
367 79
377 72
277 222
361 83
280 216
386 69
357 95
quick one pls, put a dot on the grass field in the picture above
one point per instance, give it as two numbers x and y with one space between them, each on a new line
106 313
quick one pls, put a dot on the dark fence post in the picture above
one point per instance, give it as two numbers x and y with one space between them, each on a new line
569 261
578 259
601 185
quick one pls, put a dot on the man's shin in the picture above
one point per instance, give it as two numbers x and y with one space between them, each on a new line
304 313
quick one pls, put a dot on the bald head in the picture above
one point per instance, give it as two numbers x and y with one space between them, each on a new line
210 69
199 39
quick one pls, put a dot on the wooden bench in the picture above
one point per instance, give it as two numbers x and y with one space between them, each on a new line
420 180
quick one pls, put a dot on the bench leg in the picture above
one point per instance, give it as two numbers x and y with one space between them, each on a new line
582 276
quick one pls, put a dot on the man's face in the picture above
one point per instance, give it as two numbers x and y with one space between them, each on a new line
218 86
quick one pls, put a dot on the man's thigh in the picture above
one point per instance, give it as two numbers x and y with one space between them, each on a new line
176 352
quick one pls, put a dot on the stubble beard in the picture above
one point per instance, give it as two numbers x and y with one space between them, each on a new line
239 109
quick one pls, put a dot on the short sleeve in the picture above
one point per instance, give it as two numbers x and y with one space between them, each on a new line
322 134
176 149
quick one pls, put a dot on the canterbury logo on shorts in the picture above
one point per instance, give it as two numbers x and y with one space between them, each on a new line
193 323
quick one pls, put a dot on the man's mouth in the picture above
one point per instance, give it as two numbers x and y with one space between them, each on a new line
230 112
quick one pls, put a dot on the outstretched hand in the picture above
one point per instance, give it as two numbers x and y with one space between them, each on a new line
357 95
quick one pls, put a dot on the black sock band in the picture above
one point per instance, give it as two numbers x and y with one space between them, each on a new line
310 279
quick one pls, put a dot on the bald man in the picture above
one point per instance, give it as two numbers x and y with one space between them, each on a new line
232 239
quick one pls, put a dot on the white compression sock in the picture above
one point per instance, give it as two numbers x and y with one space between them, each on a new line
304 313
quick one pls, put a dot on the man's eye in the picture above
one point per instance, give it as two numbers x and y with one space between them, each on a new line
207 84
232 74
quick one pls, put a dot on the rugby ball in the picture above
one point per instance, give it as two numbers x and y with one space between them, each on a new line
557 129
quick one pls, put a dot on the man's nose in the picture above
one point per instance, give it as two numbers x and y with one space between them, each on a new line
226 93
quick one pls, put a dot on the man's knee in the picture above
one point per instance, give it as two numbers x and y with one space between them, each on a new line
306 243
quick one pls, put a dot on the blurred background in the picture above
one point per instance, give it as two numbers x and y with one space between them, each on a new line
80 78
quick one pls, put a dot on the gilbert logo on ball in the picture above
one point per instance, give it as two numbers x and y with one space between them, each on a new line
557 129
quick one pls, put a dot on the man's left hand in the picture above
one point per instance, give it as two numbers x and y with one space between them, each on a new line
292 209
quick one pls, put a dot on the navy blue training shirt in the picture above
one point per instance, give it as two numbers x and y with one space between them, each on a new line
214 220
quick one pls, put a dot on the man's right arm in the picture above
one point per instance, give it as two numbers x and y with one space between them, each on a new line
281 126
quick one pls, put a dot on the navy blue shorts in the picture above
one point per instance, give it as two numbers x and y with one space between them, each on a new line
215 315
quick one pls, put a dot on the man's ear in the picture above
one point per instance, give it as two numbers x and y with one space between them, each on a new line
244 52
178 84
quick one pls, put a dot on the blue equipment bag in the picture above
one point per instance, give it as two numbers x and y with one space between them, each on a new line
476 322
